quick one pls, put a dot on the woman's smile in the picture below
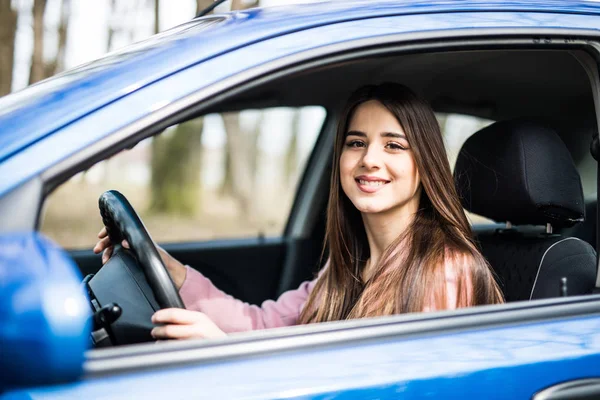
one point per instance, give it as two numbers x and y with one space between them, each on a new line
370 184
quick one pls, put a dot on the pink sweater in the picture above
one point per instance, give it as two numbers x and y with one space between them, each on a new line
232 315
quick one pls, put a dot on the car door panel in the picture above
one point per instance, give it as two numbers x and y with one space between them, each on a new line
506 361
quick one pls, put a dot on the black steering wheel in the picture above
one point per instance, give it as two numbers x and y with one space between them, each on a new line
133 284
122 222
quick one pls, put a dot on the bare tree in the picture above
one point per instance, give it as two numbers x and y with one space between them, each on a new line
40 68
58 63
240 151
243 4
176 158
202 4
111 26
156 16
37 71
291 157
8 28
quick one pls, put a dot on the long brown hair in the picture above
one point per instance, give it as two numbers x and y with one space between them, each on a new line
412 272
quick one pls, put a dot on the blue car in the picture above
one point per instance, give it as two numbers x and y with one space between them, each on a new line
516 88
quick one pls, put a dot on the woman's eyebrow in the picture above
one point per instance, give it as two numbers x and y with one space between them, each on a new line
356 133
393 135
383 134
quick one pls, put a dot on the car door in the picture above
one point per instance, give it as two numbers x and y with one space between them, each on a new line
509 351
484 352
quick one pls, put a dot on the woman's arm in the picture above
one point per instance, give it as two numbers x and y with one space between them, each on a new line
209 311
231 315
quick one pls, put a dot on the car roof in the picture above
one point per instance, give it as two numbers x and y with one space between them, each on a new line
37 111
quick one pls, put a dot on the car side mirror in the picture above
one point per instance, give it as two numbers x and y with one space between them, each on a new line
44 314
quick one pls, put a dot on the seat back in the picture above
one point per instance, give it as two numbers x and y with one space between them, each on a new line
520 173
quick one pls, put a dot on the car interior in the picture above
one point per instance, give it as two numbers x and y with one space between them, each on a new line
548 97
531 172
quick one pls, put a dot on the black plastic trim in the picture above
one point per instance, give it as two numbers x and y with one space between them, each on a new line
581 389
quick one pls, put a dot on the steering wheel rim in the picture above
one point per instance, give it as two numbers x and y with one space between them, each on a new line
122 222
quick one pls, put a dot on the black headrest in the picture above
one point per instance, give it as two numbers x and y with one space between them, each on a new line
519 171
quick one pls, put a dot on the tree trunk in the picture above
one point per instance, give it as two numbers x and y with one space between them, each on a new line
202 4
240 153
111 29
156 16
37 71
175 168
58 64
176 163
8 28
243 5
291 157
238 177
176 158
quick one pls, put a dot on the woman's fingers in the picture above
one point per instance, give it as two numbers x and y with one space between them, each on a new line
105 246
177 316
184 324
102 244
178 332
106 255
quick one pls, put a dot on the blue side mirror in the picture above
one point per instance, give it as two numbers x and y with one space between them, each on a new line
44 314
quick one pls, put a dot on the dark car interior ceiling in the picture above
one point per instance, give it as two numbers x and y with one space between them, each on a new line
549 85
494 84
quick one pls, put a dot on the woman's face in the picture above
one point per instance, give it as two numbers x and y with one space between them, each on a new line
377 167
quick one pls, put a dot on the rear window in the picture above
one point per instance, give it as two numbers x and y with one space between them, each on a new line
456 129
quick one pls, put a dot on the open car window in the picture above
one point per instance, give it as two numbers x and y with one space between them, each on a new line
229 175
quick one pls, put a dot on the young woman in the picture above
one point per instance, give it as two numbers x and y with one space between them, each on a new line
397 236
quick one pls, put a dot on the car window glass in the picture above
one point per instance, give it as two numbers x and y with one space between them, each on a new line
456 129
230 175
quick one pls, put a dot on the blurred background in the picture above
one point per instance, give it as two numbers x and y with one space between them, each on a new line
220 176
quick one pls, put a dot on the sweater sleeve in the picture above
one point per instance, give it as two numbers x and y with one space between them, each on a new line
231 315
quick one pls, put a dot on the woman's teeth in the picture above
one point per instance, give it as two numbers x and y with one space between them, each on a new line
371 183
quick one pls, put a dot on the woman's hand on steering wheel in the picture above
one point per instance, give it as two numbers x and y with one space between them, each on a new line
175 268
184 324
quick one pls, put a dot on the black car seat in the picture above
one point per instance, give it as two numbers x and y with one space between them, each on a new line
587 230
520 173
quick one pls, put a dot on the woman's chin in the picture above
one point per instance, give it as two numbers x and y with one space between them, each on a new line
370 209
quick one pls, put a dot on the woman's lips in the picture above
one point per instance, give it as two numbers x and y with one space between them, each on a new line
370 185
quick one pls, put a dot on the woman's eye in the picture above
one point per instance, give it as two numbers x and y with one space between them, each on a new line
355 143
395 146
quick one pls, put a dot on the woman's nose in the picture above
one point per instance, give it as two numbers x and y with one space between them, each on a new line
371 157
